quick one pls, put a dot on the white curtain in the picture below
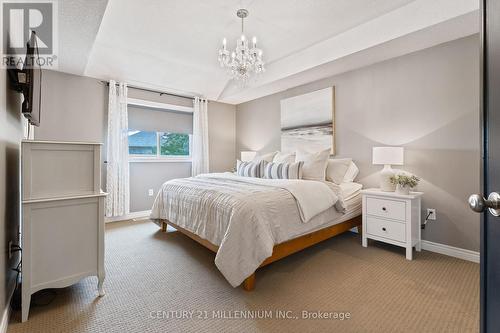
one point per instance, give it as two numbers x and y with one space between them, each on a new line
200 137
117 180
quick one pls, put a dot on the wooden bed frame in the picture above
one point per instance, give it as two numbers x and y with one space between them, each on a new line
280 250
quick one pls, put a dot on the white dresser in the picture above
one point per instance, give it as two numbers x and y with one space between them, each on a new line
62 216
392 218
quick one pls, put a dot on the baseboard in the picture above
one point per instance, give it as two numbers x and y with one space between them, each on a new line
130 216
426 245
451 251
447 250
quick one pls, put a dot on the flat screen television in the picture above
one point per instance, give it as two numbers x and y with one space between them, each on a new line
28 81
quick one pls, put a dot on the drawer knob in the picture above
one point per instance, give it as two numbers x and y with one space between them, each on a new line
384 209
384 229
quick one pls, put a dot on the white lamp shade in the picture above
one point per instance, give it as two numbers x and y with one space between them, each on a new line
388 155
247 155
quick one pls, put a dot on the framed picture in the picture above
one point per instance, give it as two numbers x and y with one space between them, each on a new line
308 121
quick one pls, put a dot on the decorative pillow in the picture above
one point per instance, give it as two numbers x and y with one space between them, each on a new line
264 157
283 170
248 169
284 157
314 167
352 173
336 169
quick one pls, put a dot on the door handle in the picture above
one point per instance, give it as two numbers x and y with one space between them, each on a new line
478 204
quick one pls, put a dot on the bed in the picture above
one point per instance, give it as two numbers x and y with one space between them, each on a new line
252 222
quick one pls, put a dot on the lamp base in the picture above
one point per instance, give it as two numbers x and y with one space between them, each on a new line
385 179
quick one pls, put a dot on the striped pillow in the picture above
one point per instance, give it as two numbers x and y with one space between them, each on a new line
248 169
283 170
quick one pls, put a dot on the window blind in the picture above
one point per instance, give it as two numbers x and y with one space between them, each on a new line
155 120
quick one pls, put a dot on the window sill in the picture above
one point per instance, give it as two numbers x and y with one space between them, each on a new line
159 160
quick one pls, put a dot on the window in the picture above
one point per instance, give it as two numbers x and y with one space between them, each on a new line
158 146
142 143
174 144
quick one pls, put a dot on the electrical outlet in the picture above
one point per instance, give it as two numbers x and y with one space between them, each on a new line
10 249
431 212
151 192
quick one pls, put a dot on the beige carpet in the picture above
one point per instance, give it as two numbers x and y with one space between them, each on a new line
150 271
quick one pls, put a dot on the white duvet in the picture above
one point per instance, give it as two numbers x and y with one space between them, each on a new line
312 197
240 214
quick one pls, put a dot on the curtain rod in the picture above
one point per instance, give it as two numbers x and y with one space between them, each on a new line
154 91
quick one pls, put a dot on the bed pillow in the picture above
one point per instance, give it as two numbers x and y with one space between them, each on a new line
336 169
268 157
248 169
352 173
281 157
283 170
314 167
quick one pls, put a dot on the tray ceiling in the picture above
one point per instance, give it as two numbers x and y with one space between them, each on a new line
172 45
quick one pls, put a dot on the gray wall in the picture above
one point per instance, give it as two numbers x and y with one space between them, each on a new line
222 136
428 102
74 108
151 175
11 133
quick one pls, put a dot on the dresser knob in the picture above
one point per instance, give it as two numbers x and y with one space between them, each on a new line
383 229
384 209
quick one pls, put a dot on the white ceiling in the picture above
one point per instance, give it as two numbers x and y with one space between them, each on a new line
78 26
171 45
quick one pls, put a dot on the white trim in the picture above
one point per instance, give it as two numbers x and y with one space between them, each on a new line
102 194
451 251
379 192
159 160
447 250
130 216
62 142
157 105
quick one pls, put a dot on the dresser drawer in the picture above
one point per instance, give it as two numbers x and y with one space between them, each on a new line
386 208
387 229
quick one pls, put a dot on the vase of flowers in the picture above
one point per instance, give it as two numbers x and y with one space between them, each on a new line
404 183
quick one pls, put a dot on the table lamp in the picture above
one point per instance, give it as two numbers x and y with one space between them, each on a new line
387 156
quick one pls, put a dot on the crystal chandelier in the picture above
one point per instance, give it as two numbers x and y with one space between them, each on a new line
243 61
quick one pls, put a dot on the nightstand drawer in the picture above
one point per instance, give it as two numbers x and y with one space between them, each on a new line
387 229
391 209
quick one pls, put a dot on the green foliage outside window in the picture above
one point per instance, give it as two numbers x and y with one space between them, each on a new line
174 144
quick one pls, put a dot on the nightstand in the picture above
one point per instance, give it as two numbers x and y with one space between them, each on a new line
392 218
